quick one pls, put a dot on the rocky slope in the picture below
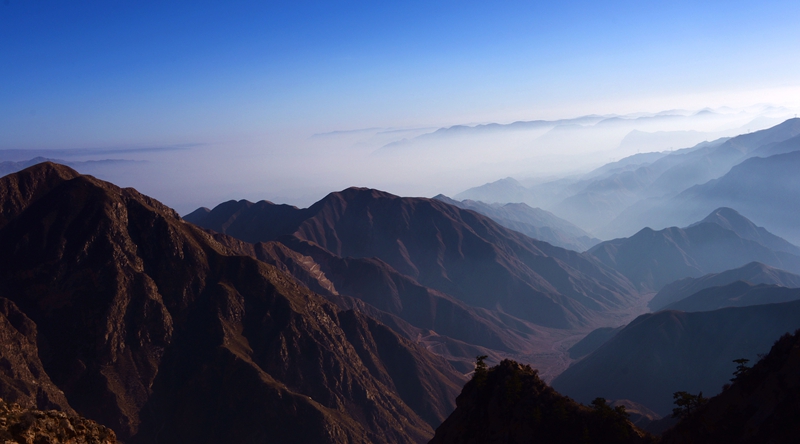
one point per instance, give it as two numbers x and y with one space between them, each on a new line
762 406
442 247
510 404
154 329
669 351
26 425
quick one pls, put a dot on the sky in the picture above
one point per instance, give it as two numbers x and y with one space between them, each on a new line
248 84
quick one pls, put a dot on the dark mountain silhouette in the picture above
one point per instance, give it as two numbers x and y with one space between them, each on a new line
754 273
652 259
761 406
154 329
511 404
736 294
532 222
638 414
669 351
448 249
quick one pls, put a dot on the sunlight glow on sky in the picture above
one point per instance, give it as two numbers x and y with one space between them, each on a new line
248 75
87 73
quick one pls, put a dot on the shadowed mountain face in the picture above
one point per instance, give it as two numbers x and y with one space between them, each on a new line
532 222
754 273
652 259
510 404
448 249
762 406
737 294
592 341
152 328
669 351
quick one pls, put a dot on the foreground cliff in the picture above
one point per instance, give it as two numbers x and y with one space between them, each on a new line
25 425
115 308
762 405
510 404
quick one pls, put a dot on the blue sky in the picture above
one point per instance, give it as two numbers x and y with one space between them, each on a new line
116 72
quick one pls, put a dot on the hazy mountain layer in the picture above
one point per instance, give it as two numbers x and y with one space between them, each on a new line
652 259
763 188
532 222
754 273
730 219
761 406
155 330
736 294
669 351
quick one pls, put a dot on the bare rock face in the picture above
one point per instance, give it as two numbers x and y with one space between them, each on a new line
23 379
30 426
151 327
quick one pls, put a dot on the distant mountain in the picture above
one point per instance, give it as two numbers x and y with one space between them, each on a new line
736 294
443 247
669 351
509 403
754 273
148 325
761 406
652 259
532 222
731 219
503 191
763 188
88 166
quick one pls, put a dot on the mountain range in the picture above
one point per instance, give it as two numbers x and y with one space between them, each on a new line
751 172
116 308
652 259
753 273
474 273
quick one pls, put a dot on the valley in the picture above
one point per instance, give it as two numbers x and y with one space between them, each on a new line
367 310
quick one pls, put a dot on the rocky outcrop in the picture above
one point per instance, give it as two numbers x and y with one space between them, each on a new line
30 426
510 404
